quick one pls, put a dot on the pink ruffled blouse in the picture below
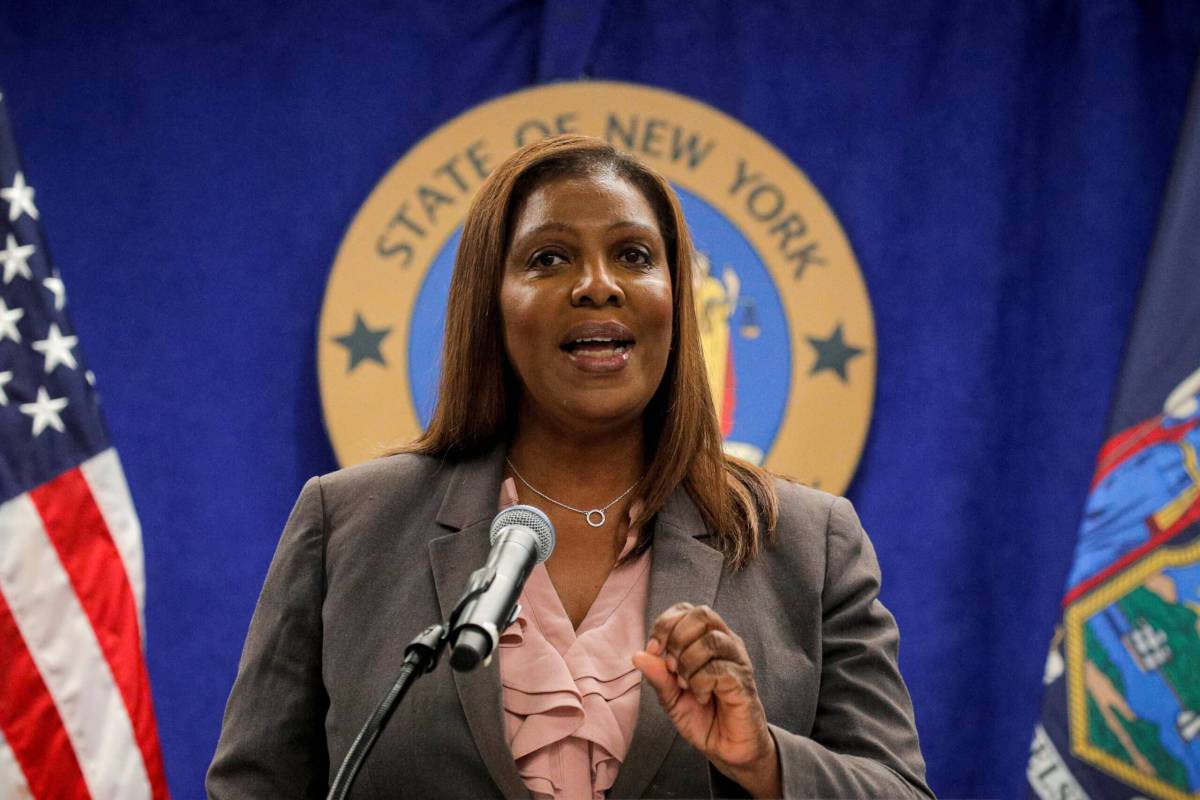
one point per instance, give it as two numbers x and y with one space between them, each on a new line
571 696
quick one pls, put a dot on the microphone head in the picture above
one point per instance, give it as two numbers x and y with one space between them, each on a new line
533 520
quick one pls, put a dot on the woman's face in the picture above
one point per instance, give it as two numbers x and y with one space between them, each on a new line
586 302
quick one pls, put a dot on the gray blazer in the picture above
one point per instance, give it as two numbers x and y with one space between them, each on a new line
373 554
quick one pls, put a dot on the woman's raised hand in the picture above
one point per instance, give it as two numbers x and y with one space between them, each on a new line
705 682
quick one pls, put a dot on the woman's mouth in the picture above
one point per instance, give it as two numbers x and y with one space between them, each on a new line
598 354
598 347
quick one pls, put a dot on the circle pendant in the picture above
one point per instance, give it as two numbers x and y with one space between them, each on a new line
599 514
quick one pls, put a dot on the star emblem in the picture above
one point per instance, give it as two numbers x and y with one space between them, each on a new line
45 411
5 377
20 198
363 343
833 354
15 259
8 322
56 348
55 285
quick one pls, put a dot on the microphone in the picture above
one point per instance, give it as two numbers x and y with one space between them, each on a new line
521 536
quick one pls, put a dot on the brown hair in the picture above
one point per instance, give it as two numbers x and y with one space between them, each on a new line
477 403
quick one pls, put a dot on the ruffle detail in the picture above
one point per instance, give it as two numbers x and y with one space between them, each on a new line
571 697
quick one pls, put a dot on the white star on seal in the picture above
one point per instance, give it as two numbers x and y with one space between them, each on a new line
44 411
57 348
5 377
56 287
20 198
15 259
8 322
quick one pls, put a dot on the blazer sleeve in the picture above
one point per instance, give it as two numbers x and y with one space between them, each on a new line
864 739
272 738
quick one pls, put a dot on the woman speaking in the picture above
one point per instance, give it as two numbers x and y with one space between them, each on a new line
702 628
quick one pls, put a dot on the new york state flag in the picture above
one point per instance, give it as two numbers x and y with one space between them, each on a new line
1121 710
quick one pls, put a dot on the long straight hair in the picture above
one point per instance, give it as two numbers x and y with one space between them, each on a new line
479 390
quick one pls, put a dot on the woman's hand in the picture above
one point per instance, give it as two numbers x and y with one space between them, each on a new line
705 682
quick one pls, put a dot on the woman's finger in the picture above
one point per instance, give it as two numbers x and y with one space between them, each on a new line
713 644
661 679
690 627
731 681
662 627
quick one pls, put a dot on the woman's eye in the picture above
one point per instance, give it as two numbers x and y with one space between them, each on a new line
546 259
635 255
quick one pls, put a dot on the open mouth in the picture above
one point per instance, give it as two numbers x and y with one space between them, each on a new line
597 346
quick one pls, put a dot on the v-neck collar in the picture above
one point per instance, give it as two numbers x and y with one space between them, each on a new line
683 567
545 606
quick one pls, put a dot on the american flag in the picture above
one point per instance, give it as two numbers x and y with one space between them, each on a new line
76 716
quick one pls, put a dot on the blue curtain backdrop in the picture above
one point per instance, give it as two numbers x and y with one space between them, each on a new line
997 167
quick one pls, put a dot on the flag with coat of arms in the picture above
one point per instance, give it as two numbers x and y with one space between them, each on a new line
1121 709
76 715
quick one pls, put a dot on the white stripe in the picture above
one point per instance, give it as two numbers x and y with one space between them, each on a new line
12 779
106 479
64 648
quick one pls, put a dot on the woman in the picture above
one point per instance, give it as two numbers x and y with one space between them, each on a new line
573 380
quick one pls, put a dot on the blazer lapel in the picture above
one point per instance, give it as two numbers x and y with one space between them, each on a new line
468 508
682 568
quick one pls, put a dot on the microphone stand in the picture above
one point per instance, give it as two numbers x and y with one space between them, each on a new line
420 657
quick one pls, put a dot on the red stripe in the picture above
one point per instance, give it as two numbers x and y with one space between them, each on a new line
85 546
1083 587
30 720
1127 443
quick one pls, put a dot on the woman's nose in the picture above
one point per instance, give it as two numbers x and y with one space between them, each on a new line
597 285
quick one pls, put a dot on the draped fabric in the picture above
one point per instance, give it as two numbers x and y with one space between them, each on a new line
76 712
571 694
1121 710
998 169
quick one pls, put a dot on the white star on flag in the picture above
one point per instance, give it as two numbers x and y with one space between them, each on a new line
57 348
20 198
8 322
5 377
45 411
55 285
14 259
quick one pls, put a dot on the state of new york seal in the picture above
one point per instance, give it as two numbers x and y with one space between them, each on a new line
786 322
